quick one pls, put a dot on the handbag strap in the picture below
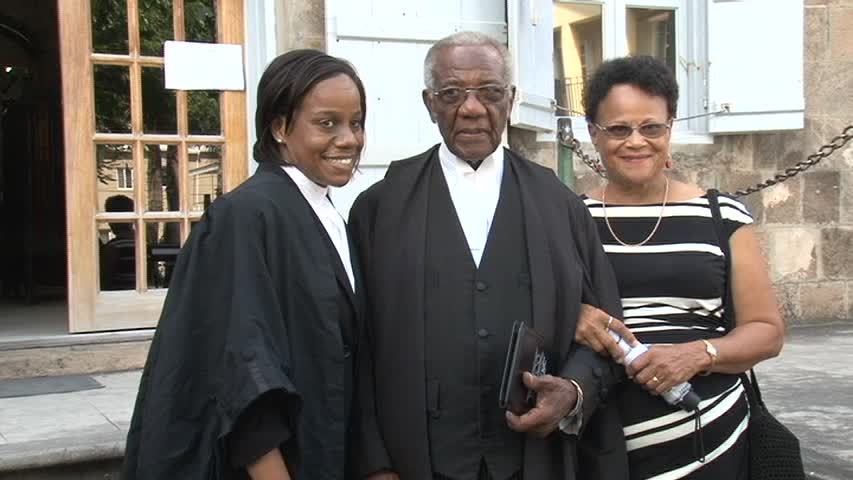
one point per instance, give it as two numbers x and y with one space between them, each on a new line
723 241
753 393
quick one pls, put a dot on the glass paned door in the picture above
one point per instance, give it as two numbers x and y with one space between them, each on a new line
142 162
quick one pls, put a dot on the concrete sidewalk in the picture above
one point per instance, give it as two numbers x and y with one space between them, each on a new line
67 428
809 388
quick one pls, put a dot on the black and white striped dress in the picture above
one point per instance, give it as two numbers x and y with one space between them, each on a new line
672 292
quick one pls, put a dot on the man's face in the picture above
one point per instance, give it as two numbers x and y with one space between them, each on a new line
472 126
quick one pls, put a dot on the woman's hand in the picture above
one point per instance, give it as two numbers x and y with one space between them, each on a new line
665 366
269 467
593 331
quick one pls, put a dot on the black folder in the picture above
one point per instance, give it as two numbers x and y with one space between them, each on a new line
526 353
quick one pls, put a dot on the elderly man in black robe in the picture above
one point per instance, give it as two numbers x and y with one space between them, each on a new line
458 243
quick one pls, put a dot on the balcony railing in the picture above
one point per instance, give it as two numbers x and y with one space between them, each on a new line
571 95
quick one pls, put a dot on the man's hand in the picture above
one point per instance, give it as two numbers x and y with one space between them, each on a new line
593 331
382 476
555 398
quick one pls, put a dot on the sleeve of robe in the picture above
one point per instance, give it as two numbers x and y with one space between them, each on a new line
595 374
369 454
260 429
219 347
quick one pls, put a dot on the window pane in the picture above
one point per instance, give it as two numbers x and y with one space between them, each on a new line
577 51
125 178
161 166
164 243
205 179
652 32
109 26
200 18
203 106
117 255
115 177
159 106
112 99
155 26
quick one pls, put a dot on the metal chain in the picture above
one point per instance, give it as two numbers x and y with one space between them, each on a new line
810 161
566 138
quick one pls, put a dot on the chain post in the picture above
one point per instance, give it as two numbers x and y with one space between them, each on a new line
566 139
565 159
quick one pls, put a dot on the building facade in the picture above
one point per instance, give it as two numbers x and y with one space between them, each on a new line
757 97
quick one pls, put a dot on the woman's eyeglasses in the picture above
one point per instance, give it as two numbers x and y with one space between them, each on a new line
648 130
486 94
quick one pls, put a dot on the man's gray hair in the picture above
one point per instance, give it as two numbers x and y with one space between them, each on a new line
465 39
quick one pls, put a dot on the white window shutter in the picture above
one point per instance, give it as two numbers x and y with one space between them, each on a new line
531 43
755 53
387 41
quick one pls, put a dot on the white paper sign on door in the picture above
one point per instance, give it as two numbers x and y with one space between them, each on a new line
203 66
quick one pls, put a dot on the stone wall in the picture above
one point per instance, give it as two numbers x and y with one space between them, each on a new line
806 223
301 24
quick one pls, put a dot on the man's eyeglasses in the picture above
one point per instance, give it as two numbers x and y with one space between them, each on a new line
621 132
487 94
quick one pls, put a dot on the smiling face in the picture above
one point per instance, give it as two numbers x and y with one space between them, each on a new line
471 129
326 137
635 160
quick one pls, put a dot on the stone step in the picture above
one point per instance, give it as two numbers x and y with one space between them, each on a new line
74 354
100 470
74 458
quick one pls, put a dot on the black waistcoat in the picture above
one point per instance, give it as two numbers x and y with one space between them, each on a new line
469 313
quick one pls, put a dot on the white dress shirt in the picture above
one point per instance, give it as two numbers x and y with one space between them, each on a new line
332 221
474 194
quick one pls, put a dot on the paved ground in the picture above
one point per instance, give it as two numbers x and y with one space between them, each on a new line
809 387
63 428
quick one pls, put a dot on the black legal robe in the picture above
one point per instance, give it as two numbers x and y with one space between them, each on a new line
389 225
255 308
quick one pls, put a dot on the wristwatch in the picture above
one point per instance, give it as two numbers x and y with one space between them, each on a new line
711 350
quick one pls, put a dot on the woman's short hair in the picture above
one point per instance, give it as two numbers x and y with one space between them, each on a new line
644 72
283 87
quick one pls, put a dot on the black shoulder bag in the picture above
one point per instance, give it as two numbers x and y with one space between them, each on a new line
774 451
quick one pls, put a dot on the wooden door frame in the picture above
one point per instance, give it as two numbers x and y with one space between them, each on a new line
90 309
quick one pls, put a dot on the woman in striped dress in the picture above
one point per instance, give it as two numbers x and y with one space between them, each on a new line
662 242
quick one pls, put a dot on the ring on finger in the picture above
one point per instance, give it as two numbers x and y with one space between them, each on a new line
655 379
609 321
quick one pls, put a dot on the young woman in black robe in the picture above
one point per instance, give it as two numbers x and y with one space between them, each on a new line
250 371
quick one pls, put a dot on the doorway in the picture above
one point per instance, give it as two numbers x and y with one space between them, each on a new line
142 161
33 250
